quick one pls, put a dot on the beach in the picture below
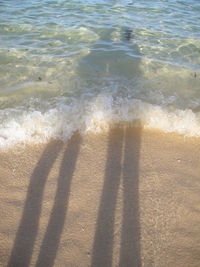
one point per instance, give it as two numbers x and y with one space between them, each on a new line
100 133
127 197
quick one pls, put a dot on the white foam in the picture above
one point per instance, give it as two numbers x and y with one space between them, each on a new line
94 114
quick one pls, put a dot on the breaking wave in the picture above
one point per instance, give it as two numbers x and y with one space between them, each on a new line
95 114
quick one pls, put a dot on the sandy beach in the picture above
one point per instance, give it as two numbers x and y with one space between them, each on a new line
130 197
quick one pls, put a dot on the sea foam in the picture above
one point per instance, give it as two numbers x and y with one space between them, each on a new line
96 115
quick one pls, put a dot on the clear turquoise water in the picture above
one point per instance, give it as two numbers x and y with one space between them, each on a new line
69 65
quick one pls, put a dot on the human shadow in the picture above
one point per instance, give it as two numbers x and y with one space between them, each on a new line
117 63
122 163
25 238
55 226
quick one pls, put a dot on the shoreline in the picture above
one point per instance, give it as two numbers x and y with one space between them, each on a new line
129 196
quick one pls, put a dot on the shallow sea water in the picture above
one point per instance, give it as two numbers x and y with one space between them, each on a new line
86 65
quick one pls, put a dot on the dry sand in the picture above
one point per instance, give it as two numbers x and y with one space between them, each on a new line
127 198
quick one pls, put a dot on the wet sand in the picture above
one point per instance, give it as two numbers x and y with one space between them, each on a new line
129 197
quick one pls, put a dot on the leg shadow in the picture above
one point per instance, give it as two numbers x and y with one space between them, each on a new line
53 233
27 231
130 236
103 240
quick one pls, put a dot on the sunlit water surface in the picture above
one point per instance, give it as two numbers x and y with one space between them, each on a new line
86 65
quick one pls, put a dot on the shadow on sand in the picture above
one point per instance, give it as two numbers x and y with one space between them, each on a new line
121 167
122 163
26 235
55 226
